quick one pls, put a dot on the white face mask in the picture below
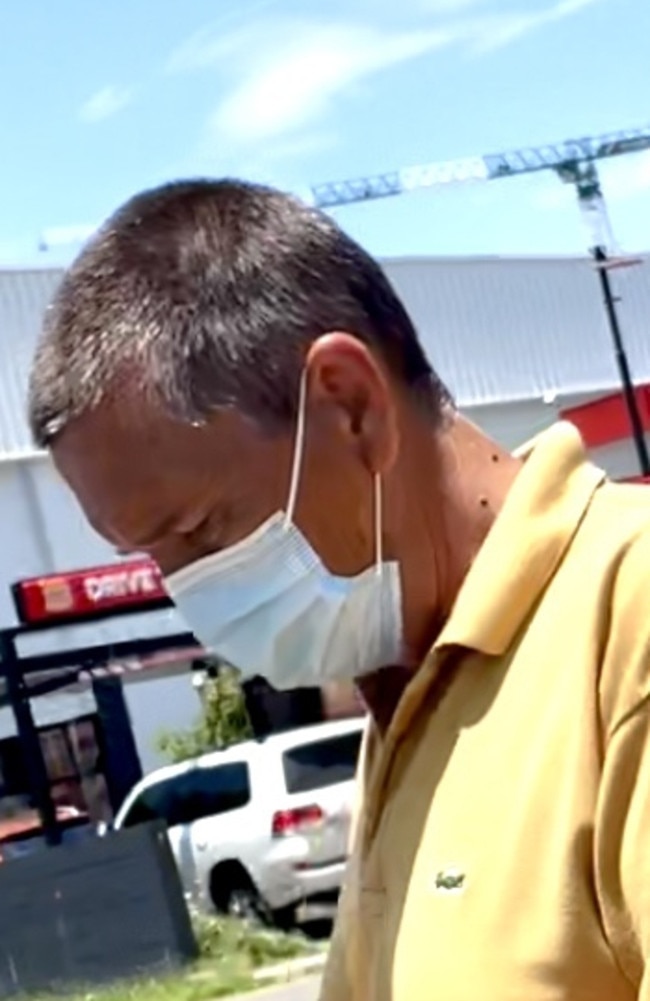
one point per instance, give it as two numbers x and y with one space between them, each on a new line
269 607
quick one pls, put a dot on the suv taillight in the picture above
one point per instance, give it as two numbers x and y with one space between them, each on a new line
287 822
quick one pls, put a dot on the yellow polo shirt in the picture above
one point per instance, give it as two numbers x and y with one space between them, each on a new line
502 852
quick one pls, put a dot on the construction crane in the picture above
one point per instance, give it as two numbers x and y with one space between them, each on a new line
574 162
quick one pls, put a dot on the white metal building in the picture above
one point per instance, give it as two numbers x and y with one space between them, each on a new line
521 341
518 341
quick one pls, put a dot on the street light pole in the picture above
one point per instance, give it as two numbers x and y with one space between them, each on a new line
600 257
584 177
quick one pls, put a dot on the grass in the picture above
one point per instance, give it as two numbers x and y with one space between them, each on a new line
230 950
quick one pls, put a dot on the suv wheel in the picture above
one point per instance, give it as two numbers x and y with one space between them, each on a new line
233 892
243 903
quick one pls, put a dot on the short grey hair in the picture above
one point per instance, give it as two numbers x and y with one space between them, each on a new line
212 292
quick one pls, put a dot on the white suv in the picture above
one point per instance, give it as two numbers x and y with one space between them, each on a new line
261 827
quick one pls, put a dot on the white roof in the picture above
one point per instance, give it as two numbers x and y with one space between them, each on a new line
505 329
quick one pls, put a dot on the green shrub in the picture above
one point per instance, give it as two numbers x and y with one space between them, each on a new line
218 937
223 721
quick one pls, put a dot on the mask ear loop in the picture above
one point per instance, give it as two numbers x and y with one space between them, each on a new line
379 542
298 452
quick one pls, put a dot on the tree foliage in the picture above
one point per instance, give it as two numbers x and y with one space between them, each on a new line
223 720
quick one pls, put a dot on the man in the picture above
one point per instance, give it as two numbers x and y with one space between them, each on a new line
230 384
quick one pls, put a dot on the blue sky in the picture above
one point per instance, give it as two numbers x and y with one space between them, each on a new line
100 100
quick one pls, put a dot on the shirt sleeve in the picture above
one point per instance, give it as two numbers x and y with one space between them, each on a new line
622 824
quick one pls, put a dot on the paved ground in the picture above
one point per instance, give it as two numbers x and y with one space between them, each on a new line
299 990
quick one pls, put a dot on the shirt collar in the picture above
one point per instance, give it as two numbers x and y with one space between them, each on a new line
541 514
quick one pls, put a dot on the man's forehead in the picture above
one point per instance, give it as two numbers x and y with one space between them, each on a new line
113 433
128 474
100 444
115 478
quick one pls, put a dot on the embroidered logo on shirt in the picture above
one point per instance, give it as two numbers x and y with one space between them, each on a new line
449 881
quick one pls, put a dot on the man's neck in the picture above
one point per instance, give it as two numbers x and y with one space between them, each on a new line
470 480
382 691
476 475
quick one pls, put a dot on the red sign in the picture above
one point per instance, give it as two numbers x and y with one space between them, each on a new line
84 593
607 420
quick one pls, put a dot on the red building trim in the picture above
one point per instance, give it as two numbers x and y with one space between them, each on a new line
605 421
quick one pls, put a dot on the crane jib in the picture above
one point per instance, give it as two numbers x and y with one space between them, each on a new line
554 156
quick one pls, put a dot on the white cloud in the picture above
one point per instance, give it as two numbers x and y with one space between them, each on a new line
282 76
295 80
226 36
498 30
104 104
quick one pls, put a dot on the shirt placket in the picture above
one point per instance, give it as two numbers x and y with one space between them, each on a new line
427 688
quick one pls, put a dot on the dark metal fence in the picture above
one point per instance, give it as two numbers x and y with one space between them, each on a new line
101 910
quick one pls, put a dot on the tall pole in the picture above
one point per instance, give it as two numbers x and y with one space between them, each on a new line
636 424
584 177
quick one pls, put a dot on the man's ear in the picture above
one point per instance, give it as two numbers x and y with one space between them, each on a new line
346 380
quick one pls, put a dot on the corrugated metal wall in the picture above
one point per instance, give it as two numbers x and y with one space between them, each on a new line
508 329
24 296
497 329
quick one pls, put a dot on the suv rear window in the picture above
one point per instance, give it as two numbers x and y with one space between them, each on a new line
201 792
321 763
